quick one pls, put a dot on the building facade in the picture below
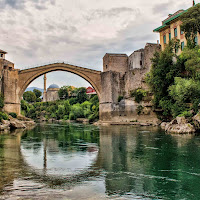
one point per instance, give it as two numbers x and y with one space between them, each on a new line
171 28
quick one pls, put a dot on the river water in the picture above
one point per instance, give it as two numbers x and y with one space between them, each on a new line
79 162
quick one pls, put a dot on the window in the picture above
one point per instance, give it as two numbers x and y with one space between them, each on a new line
164 39
182 46
170 36
2 55
175 32
182 32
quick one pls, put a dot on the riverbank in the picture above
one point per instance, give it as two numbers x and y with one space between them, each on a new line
20 122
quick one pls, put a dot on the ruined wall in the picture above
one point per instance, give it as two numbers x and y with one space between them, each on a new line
115 62
121 84
136 60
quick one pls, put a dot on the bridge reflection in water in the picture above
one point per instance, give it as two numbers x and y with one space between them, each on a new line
118 160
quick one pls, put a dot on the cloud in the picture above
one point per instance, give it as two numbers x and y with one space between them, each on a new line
34 32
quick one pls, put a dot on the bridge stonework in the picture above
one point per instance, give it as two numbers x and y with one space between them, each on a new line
16 81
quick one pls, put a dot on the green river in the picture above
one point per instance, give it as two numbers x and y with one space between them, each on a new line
79 162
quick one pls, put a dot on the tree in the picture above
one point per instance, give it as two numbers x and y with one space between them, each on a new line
38 93
63 92
191 24
29 96
163 71
191 57
81 95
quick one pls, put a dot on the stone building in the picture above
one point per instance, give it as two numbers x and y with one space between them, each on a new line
171 28
51 94
125 74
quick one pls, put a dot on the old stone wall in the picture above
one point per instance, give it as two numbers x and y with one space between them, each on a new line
52 94
116 63
10 91
121 84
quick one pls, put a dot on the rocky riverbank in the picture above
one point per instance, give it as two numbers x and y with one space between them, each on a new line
181 125
20 122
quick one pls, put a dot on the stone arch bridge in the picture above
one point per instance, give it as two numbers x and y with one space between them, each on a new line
16 81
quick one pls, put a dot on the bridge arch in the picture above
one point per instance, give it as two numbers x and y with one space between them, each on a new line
28 75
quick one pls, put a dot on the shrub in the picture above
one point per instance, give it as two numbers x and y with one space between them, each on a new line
12 114
1 101
3 116
120 98
185 114
139 109
138 94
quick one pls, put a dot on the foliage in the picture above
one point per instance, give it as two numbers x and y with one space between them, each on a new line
185 90
1 101
191 24
81 95
138 94
163 71
63 109
191 59
63 92
139 109
120 98
3 116
13 114
37 93
29 96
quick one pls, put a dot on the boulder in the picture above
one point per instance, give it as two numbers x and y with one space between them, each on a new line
163 125
196 120
180 126
15 123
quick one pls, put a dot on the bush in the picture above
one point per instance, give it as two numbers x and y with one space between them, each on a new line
3 116
185 114
138 94
1 101
12 114
120 98
139 109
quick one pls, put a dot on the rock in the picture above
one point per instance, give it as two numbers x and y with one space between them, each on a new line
163 125
15 123
196 120
4 127
29 123
180 126
23 118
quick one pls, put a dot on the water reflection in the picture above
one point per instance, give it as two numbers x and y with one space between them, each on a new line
85 162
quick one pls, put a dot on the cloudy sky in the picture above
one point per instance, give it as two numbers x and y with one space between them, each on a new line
36 32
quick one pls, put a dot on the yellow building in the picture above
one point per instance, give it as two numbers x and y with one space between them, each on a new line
171 28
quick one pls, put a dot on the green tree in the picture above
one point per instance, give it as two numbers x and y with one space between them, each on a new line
38 93
81 95
29 96
191 59
191 24
67 107
163 71
63 92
